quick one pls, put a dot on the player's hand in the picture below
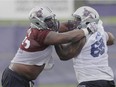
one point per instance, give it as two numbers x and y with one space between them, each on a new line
92 27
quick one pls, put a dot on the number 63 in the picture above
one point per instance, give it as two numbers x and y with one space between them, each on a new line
98 48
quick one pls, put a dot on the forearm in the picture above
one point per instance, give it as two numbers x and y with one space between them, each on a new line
67 26
63 27
63 52
76 35
54 38
111 39
70 50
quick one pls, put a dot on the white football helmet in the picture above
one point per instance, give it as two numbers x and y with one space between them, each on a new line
38 17
86 14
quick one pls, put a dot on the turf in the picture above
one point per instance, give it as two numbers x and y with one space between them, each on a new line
57 85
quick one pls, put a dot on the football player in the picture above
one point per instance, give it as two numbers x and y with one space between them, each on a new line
35 52
90 54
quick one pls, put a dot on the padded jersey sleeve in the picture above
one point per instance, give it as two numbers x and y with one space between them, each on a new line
41 35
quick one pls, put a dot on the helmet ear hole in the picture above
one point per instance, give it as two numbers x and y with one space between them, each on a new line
95 16
37 23
87 23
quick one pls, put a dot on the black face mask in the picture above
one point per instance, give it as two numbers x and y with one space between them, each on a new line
73 24
53 24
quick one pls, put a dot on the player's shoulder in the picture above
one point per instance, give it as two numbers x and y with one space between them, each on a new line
35 31
40 30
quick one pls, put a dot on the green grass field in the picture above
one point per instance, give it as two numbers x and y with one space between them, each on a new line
61 85
58 85
55 85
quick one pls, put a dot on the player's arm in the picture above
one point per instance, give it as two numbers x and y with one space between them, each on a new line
67 26
111 39
70 50
63 27
54 38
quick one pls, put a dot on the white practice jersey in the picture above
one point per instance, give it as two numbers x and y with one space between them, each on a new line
92 63
35 58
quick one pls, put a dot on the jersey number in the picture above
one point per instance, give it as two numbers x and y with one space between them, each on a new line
26 41
98 48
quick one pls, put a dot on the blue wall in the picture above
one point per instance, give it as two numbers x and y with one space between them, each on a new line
105 9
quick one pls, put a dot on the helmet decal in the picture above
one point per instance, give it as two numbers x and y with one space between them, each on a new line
39 13
86 12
